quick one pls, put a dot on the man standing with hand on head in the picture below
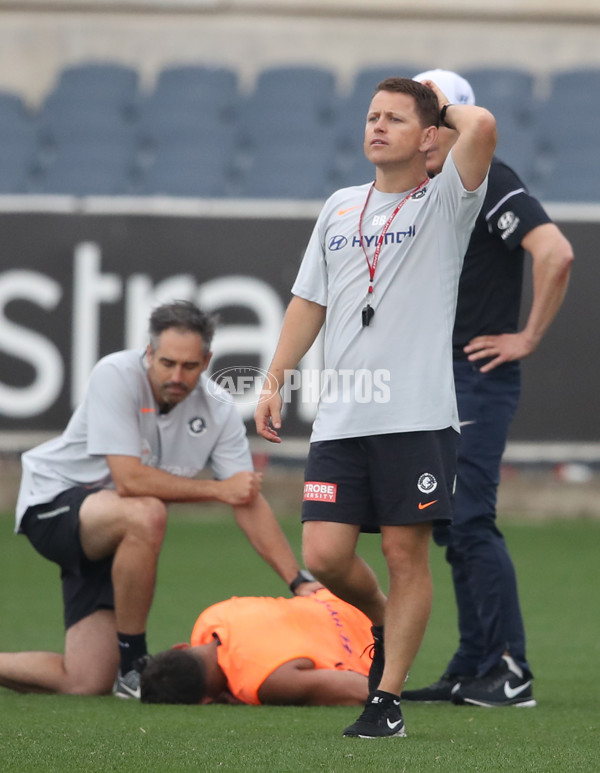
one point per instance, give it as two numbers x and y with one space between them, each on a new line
490 667
381 273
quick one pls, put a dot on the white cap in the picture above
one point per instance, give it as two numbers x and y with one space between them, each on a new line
455 87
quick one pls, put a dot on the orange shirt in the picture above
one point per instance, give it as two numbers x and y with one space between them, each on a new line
259 634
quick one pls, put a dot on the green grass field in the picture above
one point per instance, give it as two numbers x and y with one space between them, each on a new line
206 559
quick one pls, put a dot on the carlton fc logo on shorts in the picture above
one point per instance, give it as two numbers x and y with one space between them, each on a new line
315 491
196 426
427 483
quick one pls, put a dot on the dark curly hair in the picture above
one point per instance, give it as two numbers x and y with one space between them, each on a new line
173 676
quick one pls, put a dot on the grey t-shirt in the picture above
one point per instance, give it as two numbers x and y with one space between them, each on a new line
119 415
396 374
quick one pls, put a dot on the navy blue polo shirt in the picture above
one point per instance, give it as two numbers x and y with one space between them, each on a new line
490 286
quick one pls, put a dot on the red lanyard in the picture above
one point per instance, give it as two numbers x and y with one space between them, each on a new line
372 266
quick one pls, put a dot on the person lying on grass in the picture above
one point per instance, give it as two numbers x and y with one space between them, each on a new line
304 651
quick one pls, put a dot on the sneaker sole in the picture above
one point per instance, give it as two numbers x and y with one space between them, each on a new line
136 695
426 700
399 734
529 704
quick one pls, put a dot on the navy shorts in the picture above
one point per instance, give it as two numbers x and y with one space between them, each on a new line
382 480
53 530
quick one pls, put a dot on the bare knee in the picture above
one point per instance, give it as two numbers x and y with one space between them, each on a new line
328 549
327 563
406 553
319 563
147 520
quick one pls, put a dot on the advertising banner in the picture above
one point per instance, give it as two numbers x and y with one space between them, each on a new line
75 286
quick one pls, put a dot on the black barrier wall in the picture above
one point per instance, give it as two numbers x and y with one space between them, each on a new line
74 287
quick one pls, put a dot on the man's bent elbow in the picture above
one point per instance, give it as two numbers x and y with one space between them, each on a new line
124 489
488 131
568 256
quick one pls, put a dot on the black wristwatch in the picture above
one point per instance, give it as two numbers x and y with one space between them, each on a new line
443 115
302 577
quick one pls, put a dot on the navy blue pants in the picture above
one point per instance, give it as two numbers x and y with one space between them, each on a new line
489 613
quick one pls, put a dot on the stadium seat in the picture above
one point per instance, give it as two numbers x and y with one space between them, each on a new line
188 124
89 168
509 92
287 117
18 144
65 124
17 164
99 83
570 115
13 112
300 89
190 106
572 178
289 172
263 126
194 87
188 170
575 86
517 147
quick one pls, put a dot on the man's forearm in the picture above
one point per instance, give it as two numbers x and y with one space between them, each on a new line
301 325
259 524
552 257
134 479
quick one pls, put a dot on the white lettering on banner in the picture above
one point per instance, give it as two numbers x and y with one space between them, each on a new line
90 289
33 348
141 296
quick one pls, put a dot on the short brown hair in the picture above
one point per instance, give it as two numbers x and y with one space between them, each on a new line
426 103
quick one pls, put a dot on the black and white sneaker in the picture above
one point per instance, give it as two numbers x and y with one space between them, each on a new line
439 691
127 685
381 718
377 658
504 685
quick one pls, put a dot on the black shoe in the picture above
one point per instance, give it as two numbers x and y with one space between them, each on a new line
504 685
377 658
439 691
381 718
127 685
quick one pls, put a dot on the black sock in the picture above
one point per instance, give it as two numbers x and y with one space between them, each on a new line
131 647
387 696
